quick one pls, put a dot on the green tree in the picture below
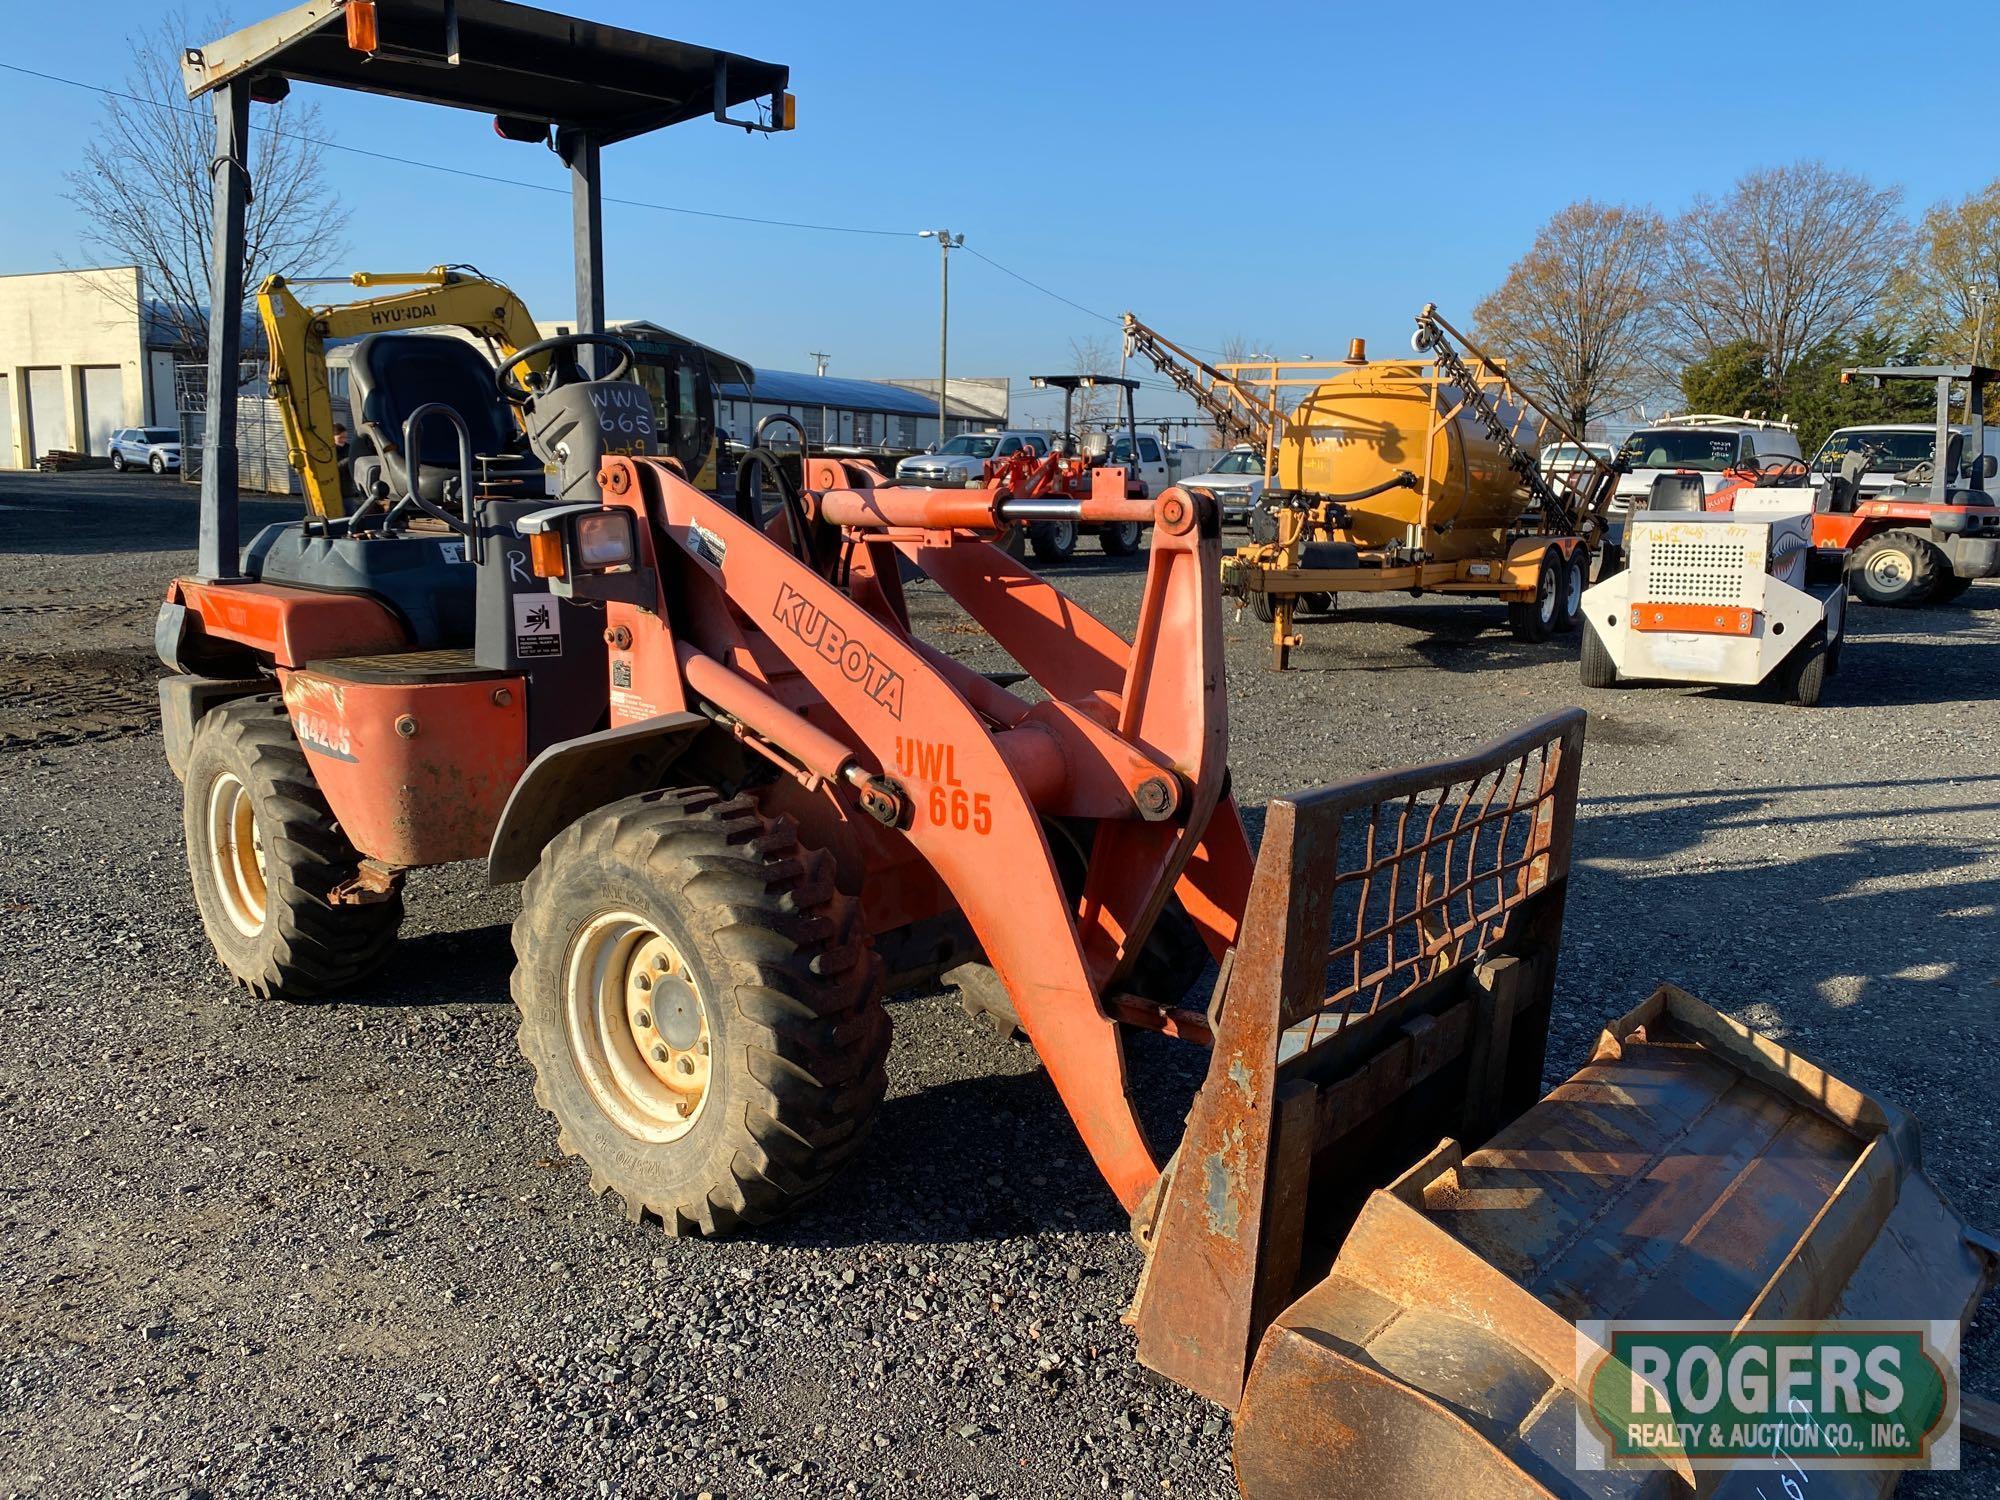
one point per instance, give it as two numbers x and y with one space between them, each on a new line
1732 380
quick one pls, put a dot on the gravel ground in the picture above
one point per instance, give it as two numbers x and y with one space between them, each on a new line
258 1249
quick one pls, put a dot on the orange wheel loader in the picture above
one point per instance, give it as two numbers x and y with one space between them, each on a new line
743 794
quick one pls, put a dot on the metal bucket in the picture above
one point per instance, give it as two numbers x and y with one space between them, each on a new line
1373 1205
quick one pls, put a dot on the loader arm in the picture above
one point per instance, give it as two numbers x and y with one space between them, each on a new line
805 669
297 334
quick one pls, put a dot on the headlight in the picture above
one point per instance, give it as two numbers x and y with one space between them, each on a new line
606 542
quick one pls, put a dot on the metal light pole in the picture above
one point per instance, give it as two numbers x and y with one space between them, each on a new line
947 242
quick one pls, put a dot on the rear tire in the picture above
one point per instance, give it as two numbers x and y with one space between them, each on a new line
1949 587
1537 619
1596 669
1896 570
1120 538
117 462
1053 541
1802 675
763 1068
1570 600
264 853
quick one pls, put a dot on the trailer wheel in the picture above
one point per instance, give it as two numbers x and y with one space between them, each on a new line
1053 541
1538 619
700 1008
1570 601
265 853
1316 604
1120 538
1802 676
1262 609
1596 669
1896 569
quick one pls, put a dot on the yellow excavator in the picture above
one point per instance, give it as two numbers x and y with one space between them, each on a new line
297 336
677 375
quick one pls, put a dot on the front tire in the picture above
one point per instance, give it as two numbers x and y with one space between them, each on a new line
159 464
1053 541
1802 676
1897 570
1120 538
1596 669
700 1008
265 854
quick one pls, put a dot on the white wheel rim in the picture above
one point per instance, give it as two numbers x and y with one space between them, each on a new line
1546 600
1889 570
638 1027
236 854
1065 535
1573 592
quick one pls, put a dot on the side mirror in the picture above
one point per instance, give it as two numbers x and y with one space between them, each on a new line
1989 465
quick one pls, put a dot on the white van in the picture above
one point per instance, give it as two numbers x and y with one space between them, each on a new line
1704 444
1894 449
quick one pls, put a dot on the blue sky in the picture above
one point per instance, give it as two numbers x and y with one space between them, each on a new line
1292 173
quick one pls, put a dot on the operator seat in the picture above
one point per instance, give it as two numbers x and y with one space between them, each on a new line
1675 492
393 374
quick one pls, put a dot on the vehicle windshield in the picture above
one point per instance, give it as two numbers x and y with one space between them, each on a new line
1893 451
162 435
971 445
1241 463
1668 448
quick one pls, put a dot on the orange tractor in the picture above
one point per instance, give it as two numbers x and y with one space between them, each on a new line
744 795
1070 470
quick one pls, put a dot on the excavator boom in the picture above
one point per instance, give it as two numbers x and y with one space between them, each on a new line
297 337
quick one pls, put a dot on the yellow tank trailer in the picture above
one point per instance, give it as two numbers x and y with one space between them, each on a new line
1416 475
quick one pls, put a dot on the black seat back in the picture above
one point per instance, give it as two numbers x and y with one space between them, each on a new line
1675 492
392 374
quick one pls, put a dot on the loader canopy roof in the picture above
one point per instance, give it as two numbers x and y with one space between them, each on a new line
495 57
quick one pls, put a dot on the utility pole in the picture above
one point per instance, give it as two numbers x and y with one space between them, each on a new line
1980 297
819 361
947 242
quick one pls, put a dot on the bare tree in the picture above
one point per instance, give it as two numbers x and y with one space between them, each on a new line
1092 356
1951 285
144 191
1790 259
1577 315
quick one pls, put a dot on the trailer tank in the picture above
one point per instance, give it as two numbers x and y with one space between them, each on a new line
1364 423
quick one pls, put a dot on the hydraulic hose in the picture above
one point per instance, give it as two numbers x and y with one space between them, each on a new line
803 543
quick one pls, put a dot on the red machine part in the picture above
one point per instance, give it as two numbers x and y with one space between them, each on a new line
416 772
824 675
291 626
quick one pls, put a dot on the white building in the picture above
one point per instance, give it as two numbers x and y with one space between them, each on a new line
79 358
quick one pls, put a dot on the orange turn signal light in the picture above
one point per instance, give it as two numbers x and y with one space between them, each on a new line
788 112
545 554
363 35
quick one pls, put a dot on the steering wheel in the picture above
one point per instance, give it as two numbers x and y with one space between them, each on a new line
561 372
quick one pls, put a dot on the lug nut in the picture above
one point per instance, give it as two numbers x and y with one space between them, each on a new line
659 1053
644 1018
642 981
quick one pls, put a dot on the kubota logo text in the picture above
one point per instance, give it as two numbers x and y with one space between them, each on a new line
857 663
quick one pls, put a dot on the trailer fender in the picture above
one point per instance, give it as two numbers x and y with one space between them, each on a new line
570 778
1523 567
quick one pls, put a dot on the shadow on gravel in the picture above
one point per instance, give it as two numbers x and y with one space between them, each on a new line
96 512
471 967
1886 918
